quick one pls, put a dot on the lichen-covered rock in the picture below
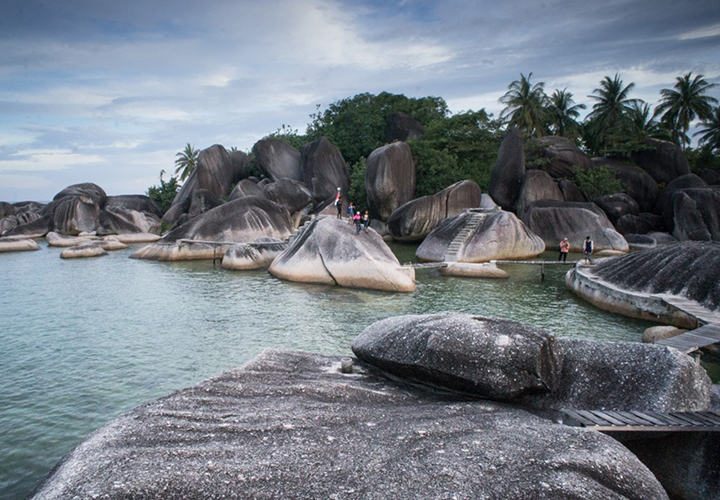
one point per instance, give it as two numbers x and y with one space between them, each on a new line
498 235
324 169
290 425
417 218
328 251
506 176
537 185
239 221
664 161
389 179
561 158
552 221
492 358
277 160
258 254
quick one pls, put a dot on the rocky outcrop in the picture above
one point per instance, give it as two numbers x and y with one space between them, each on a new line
389 179
634 224
497 235
17 245
277 160
663 160
536 186
76 209
289 193
630 284
328 251
136 202
506 176
36 228
696 214
401 126
258 254
60 240
290 425
239 221
617 205
552 221
246 187
6 209
557 156
123 220
417 218
495 359
638 183
570 191
19 219
324 169
664 205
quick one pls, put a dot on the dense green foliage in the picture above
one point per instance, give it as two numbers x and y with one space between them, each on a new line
598 182
164 194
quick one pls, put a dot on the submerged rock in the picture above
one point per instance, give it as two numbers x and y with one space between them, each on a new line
258 254
497 235
17 245
328 251
83 251
290 425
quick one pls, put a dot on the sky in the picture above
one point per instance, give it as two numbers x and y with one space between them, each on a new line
108 92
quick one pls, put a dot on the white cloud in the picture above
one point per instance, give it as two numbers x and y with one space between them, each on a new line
704 32
47 160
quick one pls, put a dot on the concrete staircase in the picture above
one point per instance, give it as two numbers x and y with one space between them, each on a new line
471 223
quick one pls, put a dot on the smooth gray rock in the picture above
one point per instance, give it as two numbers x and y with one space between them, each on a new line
246 187
506 176
136 202
638 183
29 206
664 206
664 161
258 254
76 209
290 425
119 220
552 221
96 194
401 126
537 185
617 205
328 251
712 177
500 235
633 224
491 358
570 191
36 228
640 241
324 169
240 161
561 157
289 193
696 214
6 209
277 159
17 245
389 179
417 218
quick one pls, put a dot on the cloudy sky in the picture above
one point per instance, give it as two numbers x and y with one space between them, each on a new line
106 91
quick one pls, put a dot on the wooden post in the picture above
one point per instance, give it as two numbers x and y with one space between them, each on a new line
542 271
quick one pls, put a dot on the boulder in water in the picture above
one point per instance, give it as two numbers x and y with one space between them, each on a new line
36 228
417 218
83 251
76 209
17 245
60 240
389 179
258 254
329 251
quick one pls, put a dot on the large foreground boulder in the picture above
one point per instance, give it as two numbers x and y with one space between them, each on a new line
76 209
506 176
389 179
480 237
291 425
277 160
633 284
328 251
417 218
239 221
552 221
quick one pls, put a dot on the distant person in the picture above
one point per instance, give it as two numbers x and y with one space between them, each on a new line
588 248
564 249
358 222
350 211
338 204
366 219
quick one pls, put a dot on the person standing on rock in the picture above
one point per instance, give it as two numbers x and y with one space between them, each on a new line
338 204
588 247
564 249
358 222
366 219
350 212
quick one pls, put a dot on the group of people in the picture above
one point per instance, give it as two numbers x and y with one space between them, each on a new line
588 248
360 220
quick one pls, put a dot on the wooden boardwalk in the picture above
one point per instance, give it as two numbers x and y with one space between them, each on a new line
425 265
694 339
647 421
541 263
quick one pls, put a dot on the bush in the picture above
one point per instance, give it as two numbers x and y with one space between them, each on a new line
164 194
596 182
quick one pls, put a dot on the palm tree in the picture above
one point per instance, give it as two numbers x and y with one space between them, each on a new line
642 125
563 114
526 106
611 110
688 100
186 161
710 137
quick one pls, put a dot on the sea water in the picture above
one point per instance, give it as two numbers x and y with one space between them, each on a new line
82 341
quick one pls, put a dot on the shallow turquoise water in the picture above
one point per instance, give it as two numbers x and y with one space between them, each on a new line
82 341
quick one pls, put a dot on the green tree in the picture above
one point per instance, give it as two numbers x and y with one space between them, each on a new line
186 161
604 125
526 107
641 124
563 114
291 136
164 194
595 182
685 102
710 134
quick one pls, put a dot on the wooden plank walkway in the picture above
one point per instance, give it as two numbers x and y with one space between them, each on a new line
647 421
694 339
425 265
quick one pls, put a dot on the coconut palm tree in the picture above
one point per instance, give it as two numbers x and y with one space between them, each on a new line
525 106
685 102
564 113
186 161
641 123
609 114
710 137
